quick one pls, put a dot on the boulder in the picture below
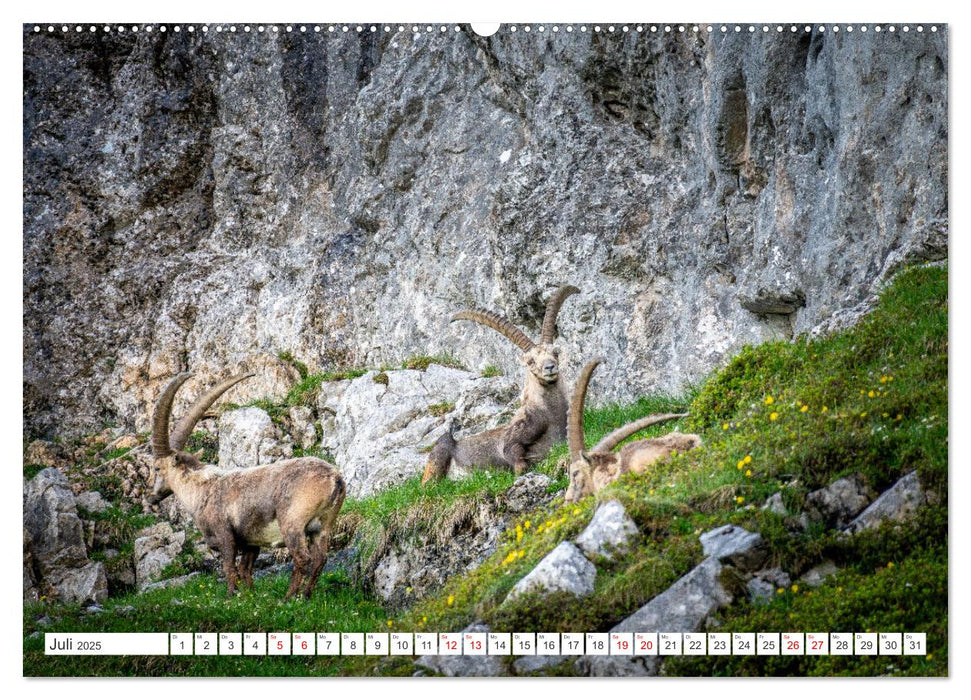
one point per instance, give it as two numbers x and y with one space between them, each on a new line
47 454
51 518
83 584
840 501
170 582
686 605
384 422
248 437
155 548
774 504
92 502
527 492
896 504
609 533
563 569
763 585
817 575
302 427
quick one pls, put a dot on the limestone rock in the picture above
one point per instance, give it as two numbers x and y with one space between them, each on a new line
610 531
380 428
563 569
83 584
763 585
155 548
817 575
840 501
51 518
302 426
170 582
92 502
774 504
47 454
897 504
527 492
537 664
248 437
734 545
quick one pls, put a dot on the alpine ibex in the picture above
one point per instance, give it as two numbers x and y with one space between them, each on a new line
540 421
293 502
591 471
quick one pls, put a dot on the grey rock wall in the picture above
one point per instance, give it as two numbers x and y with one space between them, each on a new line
206 201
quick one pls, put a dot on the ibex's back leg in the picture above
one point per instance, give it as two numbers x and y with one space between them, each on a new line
320 543
246 562
227 549
296 541
439 459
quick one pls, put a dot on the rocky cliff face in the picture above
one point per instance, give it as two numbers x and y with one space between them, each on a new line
207 201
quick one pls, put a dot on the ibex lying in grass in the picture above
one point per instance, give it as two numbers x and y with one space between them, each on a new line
293 502
591 471
540 421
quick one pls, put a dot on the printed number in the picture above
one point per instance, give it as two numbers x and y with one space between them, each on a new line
669 644
181 645
744 645
451 646
377 645
402 645
230 645
353 645
842 644
89 646
597 644
573 644
792 645
766 644
817 644
719 645
622 645
549 645
303 645
476 644
328 644
913 644
646 645
526 645
426 645
694 645
866 644
205 644
892 645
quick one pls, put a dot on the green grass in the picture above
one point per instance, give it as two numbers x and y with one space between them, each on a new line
422 362
884 388
491 371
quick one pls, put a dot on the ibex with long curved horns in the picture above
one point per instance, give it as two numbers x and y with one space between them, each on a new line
293 502
540 421
591 471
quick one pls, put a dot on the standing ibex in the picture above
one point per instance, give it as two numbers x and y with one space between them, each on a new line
591 471
293 502
540 421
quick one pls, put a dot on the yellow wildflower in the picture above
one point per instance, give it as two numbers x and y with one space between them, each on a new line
804 409
899 416
795 588
871 394
773 415
724 426
769 400
740 500
825 409
741 463
390 623
889 564
651 492
886 415
748 459
883 380
863 415
748 472
521 553
451 599
780 591
526 525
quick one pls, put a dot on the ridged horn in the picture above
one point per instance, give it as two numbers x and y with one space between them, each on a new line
183 428
611 440
575 428
160 421
497 323
553 310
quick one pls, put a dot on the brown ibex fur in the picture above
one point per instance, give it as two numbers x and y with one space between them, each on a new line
593 470
293 502
540 421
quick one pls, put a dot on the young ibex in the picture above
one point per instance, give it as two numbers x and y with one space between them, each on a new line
540 421
591 471
293 502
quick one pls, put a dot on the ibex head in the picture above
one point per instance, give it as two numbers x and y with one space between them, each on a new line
542 359
580 469
167 449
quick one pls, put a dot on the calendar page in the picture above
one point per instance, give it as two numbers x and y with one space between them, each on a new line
591 349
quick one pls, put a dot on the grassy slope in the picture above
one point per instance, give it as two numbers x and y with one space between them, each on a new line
872 401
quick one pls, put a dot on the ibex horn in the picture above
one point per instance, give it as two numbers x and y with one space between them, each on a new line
575 432
183 428
160 422
613 439
497 323
553 310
